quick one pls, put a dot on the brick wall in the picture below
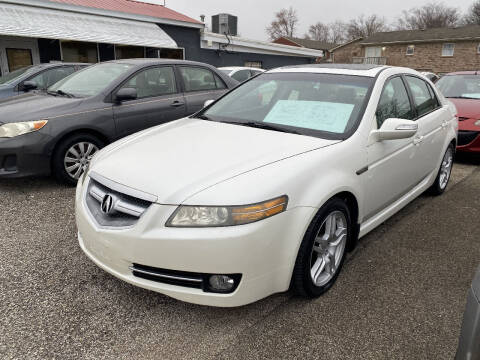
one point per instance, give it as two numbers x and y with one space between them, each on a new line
429 57
345 54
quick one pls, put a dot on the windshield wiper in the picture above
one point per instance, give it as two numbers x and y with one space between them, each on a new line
261 125
462 97
63 93
201 117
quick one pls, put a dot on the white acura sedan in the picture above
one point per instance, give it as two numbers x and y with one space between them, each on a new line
268 187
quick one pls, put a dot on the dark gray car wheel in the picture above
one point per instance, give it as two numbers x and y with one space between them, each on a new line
72 156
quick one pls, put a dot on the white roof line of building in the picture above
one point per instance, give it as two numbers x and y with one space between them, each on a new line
263 45
103 12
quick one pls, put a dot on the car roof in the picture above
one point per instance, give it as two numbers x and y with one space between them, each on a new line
156 61
239 68
346 69
471 72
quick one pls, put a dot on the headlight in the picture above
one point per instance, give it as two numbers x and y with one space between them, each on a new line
216 216
20 128
477 122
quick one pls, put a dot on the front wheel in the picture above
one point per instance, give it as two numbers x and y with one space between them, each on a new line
322 252
444 172
72 156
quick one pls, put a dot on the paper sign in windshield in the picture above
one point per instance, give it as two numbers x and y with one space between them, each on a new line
315 115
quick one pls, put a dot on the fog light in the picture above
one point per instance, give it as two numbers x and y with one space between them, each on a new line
221 283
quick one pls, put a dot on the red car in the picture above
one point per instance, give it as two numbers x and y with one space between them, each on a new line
463 89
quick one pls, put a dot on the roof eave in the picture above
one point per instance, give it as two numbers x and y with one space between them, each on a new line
419 41
103 12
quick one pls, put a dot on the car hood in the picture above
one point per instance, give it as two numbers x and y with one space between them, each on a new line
6 91
35 106
179 159
467 108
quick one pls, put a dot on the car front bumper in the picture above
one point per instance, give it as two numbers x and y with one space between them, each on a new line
24 155
264 252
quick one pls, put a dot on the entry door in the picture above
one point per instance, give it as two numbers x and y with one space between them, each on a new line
373 51
393 164
430 117
158 102
16 53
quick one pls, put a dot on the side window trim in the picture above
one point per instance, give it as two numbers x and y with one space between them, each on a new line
142 70
418 117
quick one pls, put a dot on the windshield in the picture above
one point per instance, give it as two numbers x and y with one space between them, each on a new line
460 86
323 105
91 81
12 76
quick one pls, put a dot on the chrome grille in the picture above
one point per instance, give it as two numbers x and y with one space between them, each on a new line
123 210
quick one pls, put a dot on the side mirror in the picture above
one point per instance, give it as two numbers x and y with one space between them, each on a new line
126 94
207 103
394 129
28 85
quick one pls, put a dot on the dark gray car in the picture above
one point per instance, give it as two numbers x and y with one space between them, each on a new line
469 343
58 131
35 77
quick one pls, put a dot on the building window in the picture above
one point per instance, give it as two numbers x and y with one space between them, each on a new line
129 52
76 51
253 64
410 49
478 49
448 49
172 54
19 58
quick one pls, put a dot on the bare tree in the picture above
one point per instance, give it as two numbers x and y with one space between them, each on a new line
365 26
284 24
473 14
319 32
338 32
431 15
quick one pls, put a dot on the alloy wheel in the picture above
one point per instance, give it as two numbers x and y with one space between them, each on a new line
77 158
328 248
446 168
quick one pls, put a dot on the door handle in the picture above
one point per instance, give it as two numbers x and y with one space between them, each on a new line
444 124
177 103
418 140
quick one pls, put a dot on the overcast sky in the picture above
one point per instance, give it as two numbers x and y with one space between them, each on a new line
255 15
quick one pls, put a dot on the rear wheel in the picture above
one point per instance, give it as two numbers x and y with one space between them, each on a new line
72 156
322 252
444 172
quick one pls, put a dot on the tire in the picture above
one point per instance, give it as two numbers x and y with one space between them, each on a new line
441 183
63 156
309 260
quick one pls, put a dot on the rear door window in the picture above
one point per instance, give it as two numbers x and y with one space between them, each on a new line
241 75
200 79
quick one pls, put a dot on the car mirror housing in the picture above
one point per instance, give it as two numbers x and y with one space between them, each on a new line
394 129
28 85
126 94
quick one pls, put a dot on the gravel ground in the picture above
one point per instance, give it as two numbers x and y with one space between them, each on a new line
401 293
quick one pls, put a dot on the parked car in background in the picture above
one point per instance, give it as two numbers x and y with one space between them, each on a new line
431 76
463 89
469 343
240 73
266 189
35 77
61 129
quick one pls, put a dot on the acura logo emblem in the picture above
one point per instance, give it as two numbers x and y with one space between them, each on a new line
107 204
